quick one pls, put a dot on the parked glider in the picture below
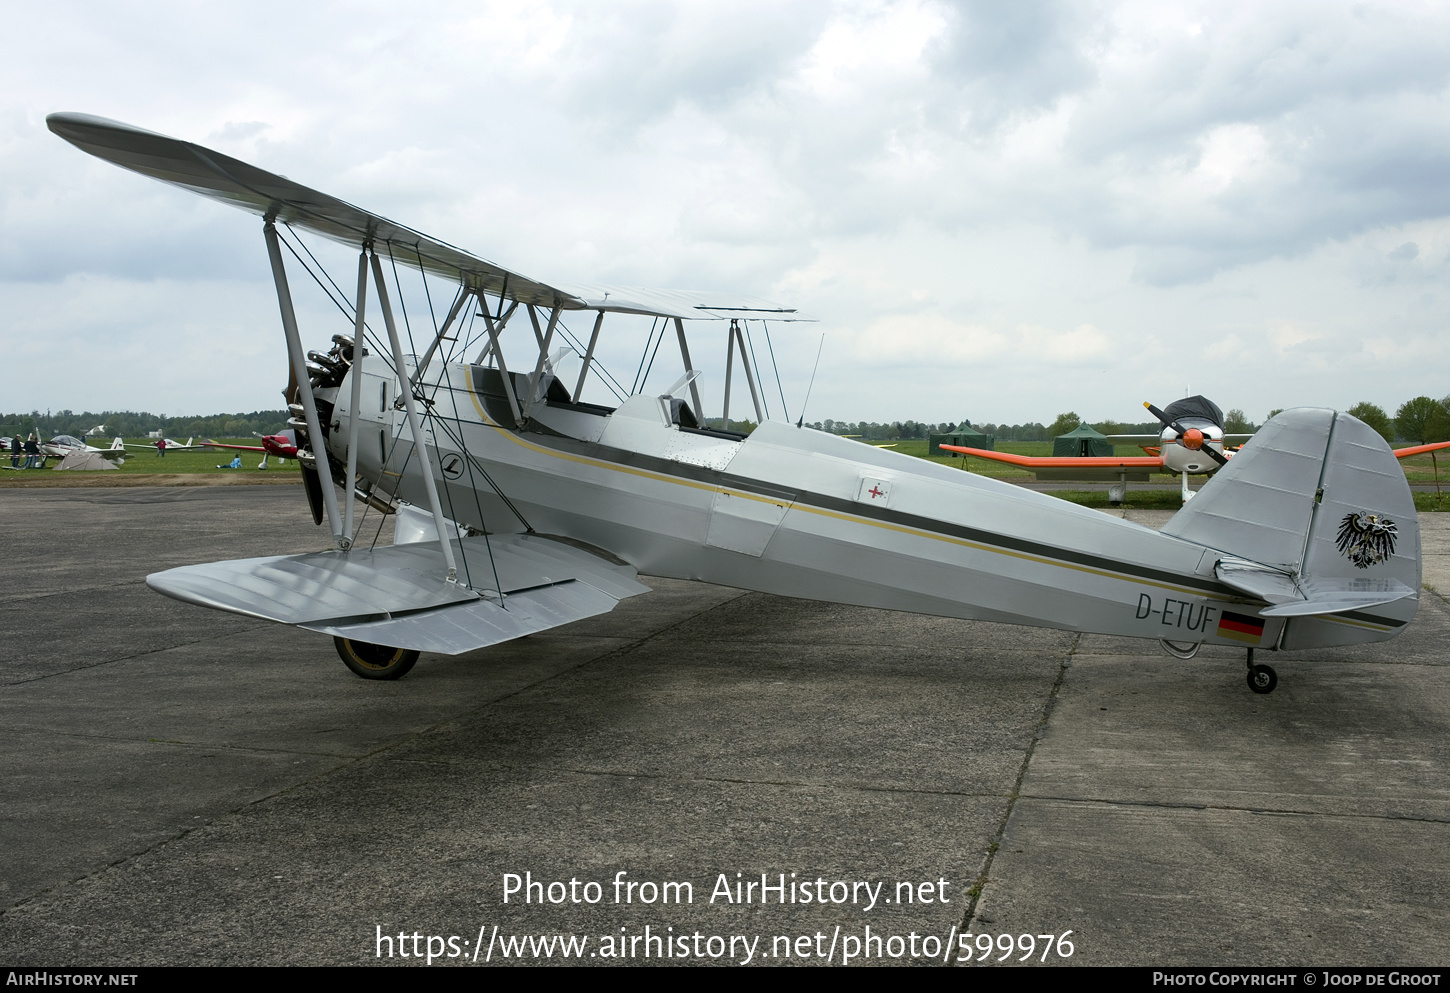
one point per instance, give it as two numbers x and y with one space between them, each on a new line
63 444
171 446
536 497
1192 442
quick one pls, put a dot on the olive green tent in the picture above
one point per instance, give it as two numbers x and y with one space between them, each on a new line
966 436
1082 441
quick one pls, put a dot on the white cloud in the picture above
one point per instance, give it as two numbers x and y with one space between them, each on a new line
1001 204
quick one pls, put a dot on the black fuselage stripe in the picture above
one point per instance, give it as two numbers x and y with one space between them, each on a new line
715 477
1359 615
548 438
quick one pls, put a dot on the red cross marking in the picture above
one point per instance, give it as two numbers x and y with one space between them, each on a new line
875 491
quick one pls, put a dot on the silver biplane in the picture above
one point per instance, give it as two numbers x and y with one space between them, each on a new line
521 507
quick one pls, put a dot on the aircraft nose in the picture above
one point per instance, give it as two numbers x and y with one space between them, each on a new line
1193 438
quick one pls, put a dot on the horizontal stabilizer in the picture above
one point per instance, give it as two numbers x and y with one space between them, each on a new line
1335 596
1257 580
398 596
1309 596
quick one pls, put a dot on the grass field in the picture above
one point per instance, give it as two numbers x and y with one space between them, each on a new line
1418 469
202 460
145 460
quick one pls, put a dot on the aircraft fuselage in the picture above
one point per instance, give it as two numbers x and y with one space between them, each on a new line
798 512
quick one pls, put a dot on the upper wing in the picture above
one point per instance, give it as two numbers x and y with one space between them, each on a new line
685 304
232 181
1062 461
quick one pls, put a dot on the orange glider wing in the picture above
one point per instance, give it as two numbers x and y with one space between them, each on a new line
1062 461
1401 453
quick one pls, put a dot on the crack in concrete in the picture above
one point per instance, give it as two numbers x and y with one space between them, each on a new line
1269 811
214 745
980 884
347 762
734 780
123 658
68 591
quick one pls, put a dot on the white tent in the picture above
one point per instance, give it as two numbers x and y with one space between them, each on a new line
84 461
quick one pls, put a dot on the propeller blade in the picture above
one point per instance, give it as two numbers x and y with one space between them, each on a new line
1163 419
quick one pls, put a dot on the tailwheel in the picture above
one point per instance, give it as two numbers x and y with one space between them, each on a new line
1262 678
375 661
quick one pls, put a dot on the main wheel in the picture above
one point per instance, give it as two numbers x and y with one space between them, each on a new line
1262 678
375 661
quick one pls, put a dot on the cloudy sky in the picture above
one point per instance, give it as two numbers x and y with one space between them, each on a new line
996 211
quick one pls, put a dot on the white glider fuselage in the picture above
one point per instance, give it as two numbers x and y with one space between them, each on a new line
802 513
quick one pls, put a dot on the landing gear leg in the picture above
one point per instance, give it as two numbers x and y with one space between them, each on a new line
1262 678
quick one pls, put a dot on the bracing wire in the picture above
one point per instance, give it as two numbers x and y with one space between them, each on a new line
319 265
811 385
776 366
760 383
347 309
424 277
453 430
579 349
473 485
658 342
647 342
398 286
460 343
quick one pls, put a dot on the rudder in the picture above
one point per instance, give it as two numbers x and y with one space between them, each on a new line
1318 496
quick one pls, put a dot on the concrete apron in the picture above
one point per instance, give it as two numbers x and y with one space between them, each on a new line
183 786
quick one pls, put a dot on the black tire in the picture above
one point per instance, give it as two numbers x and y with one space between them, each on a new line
1262 678
375 661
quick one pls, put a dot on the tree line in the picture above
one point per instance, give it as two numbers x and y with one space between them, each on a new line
1421 421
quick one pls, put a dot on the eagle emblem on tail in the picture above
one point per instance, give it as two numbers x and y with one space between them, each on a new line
1366 539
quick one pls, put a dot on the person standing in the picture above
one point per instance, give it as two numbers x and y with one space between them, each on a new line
16 447
32 453
161 446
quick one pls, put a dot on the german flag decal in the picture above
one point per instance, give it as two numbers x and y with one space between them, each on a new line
1241 627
